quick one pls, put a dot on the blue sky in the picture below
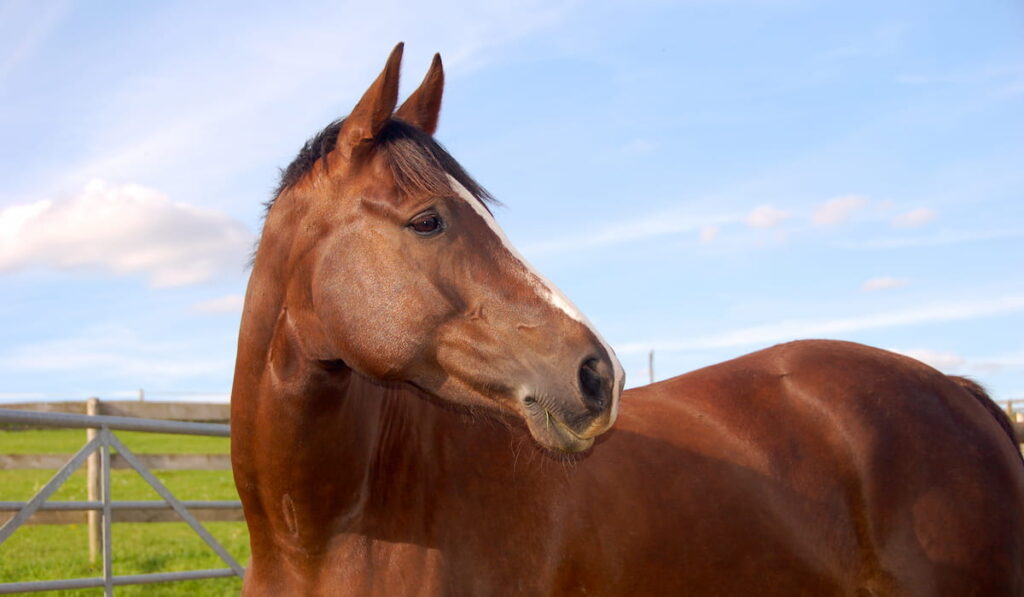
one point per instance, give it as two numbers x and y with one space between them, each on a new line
702 178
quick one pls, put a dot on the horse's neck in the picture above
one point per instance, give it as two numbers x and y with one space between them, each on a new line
338 453
354 443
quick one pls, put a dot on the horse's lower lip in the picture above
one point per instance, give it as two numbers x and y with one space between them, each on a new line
559 437
563 427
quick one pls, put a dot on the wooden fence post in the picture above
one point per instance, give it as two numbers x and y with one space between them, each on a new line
92 407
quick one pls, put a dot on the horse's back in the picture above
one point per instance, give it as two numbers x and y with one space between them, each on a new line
881 473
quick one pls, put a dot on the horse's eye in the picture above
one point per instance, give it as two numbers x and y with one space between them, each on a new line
427 224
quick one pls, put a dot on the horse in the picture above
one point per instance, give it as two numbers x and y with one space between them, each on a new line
417 411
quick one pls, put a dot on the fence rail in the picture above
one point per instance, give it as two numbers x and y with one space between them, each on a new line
163 462
209 412
100 441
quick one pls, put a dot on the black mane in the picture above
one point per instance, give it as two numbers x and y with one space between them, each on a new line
418 162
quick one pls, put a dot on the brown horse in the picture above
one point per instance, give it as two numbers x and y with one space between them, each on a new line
397 355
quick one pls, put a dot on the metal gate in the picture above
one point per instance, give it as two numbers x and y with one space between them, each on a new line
102 441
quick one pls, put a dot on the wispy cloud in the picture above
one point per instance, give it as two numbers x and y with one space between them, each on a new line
792 329
883 283
766 216
838 210
937 239
993 364
708 233
943 361
997 73
638 146
152 124
118 352
642 228
914 218
952 362
18 41
25 396
124 229
882 40
169 395
231 303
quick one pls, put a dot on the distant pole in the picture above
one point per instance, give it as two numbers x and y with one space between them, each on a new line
142 395
650 365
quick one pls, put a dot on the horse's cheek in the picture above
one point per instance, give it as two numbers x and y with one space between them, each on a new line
371 322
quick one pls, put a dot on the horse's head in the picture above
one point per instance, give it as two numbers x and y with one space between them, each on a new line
396 269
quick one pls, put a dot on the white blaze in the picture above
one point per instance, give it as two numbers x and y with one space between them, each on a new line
545 288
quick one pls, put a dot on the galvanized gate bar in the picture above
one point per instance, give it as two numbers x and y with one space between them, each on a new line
128 579
51 486
125 505
178 507
104 440
108 537
25 417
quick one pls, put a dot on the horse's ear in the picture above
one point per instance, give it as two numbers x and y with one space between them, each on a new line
374 109
423 107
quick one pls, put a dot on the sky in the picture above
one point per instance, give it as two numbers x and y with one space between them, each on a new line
702 178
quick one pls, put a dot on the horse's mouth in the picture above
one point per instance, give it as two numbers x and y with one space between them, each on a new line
551 433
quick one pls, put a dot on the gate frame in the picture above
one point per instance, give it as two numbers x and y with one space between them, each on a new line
103 440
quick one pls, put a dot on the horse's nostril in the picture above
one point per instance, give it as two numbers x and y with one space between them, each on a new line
596 388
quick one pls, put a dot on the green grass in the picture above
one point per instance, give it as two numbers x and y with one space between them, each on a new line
68 441
50 552
43 552
124 485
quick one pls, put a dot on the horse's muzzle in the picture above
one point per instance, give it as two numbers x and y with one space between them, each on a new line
568 421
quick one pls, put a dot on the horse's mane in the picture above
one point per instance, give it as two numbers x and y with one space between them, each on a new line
418 162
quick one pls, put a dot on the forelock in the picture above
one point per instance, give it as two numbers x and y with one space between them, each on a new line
419 164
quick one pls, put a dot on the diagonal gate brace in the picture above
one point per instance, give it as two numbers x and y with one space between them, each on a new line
51 486
174 503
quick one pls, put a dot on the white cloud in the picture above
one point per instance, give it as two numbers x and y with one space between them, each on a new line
766 216
124 229
231 303
883 283
914 218
793 329
943 361
838 210
708 233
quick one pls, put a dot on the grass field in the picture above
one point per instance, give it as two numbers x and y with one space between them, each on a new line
42 552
